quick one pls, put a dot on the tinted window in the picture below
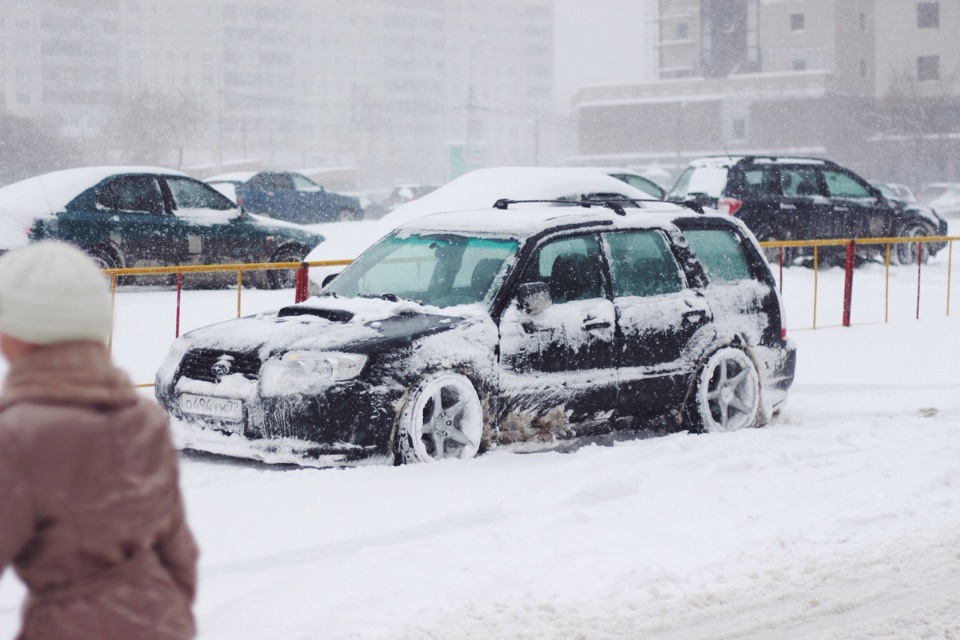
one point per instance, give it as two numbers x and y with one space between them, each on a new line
720 252
844 185
131 193
302 183
190 194
799 181
641 183
641 264
759 181
570 266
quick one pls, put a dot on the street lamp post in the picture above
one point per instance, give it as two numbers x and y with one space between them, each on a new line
471 104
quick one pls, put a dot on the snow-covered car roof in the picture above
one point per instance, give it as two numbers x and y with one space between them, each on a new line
522 221
729 161
236 176
479 189
49 193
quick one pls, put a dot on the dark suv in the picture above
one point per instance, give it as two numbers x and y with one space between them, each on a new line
525 328
783 198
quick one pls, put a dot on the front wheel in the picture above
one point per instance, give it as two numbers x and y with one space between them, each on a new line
285 278
442 418
727 392
907 252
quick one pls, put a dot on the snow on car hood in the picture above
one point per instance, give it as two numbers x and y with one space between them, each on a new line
323 324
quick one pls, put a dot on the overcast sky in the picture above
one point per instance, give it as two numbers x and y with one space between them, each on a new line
600 42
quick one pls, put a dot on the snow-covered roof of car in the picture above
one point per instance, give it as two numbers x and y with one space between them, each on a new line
49 193
236 176
479 189
729 161
526 220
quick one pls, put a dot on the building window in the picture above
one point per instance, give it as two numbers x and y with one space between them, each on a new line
928 15
682 31
863 68
799 65
928 68
863 22
738 130
797 22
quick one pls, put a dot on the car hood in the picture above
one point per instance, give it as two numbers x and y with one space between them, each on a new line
356 325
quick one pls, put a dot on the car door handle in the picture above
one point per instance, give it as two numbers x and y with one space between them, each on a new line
841 208
787 206
590 324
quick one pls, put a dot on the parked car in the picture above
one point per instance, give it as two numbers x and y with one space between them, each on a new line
788 198
634 179
399 195
476 190
147 216
947 204
287 195
513 327
895 190
934 190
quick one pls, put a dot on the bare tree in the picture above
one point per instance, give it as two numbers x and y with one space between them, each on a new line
152 126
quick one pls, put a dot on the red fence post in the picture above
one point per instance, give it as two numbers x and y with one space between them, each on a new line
179 289
848 282
300 286
919 264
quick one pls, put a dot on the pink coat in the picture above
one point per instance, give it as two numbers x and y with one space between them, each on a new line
91 514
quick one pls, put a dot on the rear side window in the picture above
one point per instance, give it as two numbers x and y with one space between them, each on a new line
641 264
721 253
799 181
843 185
759 181
706 180
131 193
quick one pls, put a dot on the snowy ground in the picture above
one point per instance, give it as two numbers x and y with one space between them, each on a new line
839 521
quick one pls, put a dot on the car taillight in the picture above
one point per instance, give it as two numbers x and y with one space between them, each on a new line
729 206
783 333
239 201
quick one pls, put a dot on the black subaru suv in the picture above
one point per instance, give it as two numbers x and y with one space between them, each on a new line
527 328
791 198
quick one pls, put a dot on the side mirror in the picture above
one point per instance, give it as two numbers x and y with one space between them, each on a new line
327 279
534 297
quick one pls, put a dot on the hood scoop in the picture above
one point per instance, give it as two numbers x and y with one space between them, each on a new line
333 315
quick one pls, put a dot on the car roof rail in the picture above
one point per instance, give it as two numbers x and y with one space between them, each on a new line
614 204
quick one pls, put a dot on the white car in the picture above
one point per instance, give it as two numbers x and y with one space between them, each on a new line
478 189
947 204
13 232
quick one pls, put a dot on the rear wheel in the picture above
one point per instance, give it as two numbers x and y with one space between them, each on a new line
285 278
105 258
727 392
442 418
906 252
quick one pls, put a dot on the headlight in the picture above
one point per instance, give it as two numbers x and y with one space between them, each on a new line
332 367
308 372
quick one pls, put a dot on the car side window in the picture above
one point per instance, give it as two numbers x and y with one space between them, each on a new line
641 264
759 181
843 185
570 267
302 183
189 194
799 181
131 193
721 253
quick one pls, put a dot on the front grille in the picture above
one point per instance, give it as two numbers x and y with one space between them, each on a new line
198 364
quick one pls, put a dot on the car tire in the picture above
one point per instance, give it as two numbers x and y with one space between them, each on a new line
726 394
441 418
105 258
285 278
906 252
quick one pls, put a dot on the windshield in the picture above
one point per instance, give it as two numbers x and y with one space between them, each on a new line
440 270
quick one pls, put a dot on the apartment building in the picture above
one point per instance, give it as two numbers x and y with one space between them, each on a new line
405 89
874 84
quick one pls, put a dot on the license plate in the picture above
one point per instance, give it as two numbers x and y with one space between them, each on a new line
227 409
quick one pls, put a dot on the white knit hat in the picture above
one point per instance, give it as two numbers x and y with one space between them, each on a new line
53 292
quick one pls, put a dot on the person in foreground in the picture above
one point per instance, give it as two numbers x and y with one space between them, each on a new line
91 514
